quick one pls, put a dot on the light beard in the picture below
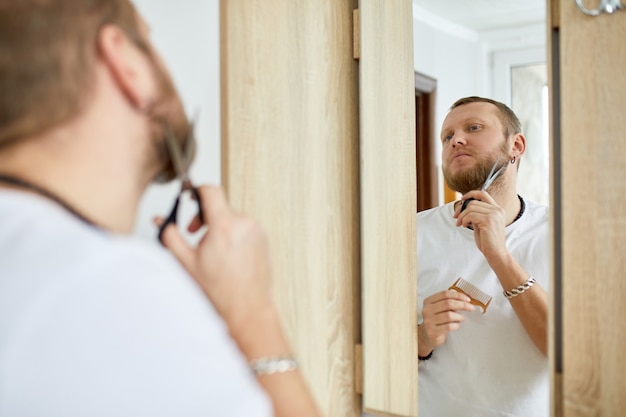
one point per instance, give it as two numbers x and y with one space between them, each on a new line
167 116
474 178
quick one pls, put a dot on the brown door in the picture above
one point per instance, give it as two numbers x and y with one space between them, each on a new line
427 186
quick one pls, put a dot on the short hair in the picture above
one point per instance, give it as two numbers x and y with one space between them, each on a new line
507 117
47 53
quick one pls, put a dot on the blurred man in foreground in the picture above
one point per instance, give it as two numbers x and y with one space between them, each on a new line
94 322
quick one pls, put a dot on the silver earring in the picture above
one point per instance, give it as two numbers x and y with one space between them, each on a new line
514 159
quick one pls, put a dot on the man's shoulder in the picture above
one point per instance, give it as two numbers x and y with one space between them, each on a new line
537 214
36 228
434 211
49 254
435 216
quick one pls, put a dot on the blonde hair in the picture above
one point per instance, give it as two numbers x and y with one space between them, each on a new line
507 117
47 52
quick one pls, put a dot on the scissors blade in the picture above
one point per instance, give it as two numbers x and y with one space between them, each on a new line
175 153
493 175
190 143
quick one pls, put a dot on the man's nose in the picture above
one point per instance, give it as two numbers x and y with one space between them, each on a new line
458 139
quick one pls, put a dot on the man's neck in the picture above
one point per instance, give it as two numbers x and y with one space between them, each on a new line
86 166
508 199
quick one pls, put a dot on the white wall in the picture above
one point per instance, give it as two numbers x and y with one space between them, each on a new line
449 53
465 62
454 56
186 34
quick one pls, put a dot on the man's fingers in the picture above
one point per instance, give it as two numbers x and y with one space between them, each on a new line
446 295
448 308
195 224
454 305
442 304
479 196
175 243
214 203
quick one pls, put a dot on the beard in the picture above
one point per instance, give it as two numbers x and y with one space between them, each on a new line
474 178
167 117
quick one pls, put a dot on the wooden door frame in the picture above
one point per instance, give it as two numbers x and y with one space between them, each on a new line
587 337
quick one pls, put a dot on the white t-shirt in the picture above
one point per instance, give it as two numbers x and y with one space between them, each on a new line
489 367
98 324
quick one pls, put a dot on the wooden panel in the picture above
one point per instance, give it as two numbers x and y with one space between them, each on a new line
553 13
290 159
554 328
388 264
593 195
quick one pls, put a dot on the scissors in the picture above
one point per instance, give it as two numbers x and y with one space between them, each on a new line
181 160
493 174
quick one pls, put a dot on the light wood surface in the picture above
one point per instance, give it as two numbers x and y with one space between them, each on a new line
593 197
388 206
290 160
554 346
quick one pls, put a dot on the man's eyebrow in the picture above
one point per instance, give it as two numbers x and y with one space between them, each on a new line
466 121
475 120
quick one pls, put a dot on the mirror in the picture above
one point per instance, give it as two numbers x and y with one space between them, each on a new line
496 50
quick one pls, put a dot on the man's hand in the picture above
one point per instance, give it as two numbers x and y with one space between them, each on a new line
231 261
231 264
441 316
487 219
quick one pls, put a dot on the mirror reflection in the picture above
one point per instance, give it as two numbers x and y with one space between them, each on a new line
483 233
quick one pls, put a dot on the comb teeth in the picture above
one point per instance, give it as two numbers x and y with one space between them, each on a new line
477 297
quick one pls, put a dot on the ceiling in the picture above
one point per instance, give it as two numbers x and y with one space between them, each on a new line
481 15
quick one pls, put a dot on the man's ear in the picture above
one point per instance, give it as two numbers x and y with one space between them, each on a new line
519 145
128 65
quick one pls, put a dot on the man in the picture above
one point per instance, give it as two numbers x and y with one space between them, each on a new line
95 322
474 364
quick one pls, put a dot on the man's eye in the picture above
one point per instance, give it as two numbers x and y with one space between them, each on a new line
474 127
447 138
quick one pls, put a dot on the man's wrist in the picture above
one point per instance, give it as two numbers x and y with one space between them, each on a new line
425 358
423 347
261 335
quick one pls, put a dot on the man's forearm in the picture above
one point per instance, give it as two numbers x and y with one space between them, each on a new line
263 337
531 307
423 347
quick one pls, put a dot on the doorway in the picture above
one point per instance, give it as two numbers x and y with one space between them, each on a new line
426 168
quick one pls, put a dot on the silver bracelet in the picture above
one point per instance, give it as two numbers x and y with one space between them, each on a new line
273 365
522 288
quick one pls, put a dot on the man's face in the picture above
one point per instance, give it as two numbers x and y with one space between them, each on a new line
472 138
167 110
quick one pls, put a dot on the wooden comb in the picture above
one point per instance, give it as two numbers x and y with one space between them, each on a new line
477 297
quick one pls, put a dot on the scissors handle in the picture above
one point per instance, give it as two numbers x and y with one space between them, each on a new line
466 203
173 216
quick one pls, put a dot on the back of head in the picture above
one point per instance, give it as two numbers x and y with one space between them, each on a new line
47 52
507 117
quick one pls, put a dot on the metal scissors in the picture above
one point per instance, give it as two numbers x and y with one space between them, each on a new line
181 160
493 174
